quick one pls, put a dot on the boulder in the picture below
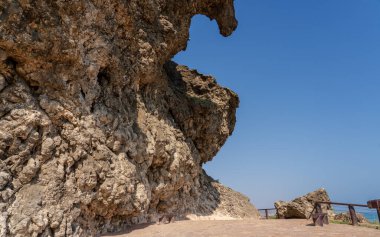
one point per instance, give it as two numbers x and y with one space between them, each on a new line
302 207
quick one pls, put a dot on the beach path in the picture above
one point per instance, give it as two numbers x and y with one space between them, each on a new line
245 228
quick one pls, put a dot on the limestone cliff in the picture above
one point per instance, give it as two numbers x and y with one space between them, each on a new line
98 128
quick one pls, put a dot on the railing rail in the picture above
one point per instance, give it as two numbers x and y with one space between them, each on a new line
343 204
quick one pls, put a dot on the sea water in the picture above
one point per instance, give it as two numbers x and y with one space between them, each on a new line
369 214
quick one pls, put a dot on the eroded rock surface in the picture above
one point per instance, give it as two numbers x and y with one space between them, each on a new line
98 129
346 218
218 202
302 207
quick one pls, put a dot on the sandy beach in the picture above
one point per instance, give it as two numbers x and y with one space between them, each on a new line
247 228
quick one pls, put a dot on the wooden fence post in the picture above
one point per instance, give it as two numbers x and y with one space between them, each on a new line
375 204
266 214
318 208
354 219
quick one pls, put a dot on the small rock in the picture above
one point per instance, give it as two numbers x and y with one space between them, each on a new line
3 55
4 179
345 217
3 82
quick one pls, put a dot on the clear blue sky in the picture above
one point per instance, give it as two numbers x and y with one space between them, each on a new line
308 76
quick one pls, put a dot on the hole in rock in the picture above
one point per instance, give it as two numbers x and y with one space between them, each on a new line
205 46
11 62
103 77
83 94
34 89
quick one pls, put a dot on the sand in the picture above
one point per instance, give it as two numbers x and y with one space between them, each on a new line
243 228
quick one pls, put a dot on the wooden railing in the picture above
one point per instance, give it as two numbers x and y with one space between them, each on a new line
351 209
266 211
373 204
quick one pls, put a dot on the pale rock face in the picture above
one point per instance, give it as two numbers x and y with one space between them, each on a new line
98 129
303 206
345 217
